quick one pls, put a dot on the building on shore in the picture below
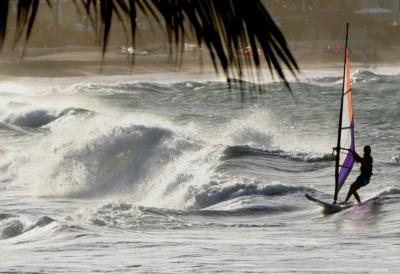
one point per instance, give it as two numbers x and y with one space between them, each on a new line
319 23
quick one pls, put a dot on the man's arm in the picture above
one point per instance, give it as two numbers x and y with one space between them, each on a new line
356 156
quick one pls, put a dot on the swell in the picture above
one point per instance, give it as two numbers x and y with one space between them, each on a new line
13 226
35 118
232 152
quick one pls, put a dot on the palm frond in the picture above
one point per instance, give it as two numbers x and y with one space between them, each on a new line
3 21
225 27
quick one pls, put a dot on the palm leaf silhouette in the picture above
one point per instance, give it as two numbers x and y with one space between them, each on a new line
223 26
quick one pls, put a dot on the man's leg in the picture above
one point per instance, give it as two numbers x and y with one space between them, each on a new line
356 196
353 191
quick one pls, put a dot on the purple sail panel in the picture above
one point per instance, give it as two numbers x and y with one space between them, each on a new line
345 169
346 157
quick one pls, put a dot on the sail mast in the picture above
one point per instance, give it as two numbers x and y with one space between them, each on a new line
338 147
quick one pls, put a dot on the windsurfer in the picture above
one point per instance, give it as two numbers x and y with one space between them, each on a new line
366 173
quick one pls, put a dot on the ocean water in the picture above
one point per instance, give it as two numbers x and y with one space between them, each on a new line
181 173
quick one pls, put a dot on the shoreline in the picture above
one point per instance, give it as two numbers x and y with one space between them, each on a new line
78 64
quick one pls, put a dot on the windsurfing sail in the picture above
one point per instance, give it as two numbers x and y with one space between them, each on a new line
344 158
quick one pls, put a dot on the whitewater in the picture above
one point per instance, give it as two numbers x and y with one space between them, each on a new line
180 173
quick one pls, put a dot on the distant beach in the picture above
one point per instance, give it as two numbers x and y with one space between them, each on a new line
70 64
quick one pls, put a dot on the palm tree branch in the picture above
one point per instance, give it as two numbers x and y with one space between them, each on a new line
224 26
3 20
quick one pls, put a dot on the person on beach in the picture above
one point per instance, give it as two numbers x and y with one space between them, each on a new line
376 58
366 58
365 176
